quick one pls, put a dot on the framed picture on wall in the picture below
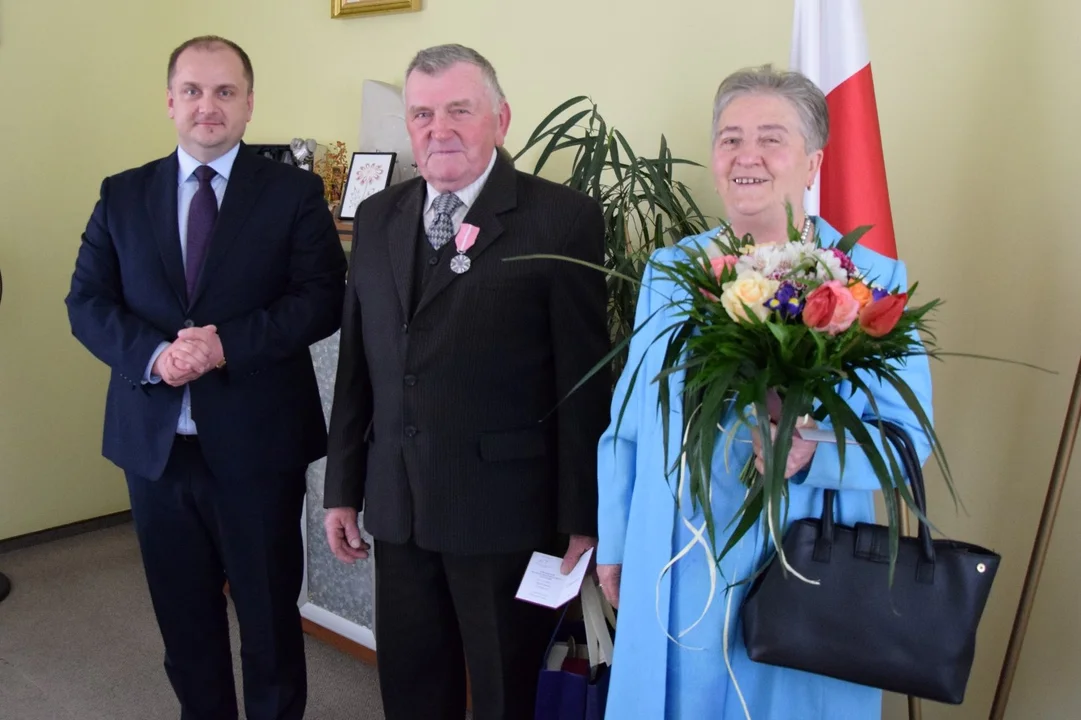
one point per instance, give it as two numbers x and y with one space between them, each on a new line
352 8
368 174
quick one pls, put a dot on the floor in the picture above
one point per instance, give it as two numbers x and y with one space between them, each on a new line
78 641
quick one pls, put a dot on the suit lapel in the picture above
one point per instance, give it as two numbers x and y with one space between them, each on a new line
498 196
161 202
402 240
246 180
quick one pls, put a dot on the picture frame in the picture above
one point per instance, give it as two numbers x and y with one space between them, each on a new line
369 172
355 8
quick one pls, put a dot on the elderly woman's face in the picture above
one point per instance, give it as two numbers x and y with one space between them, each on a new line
760 160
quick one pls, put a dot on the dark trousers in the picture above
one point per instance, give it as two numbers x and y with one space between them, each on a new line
195 531
435 613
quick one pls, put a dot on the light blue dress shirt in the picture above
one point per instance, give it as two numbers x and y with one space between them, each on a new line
187 184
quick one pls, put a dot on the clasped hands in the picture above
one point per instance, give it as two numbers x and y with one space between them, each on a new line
195 352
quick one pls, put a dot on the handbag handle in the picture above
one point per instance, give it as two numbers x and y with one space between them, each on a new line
910 463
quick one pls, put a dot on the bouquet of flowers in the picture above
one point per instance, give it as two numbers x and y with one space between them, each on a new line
767 334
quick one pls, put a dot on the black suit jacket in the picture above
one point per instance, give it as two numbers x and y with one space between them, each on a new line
272 283
449 424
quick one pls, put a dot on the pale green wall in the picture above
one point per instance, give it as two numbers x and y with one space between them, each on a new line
978 103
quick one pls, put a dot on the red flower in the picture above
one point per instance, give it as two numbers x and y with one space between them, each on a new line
880 317
818 308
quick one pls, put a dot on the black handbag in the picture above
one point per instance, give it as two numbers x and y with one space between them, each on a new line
916 638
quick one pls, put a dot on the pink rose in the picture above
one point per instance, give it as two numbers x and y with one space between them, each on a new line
720 263
831 307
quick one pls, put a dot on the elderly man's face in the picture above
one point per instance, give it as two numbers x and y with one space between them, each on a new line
452 125
760 160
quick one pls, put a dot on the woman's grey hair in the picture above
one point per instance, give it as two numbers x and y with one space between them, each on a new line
805 96
434 60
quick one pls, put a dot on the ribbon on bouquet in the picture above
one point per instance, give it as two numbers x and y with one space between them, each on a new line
698 539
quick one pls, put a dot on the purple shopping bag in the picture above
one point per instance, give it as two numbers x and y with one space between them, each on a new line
567 687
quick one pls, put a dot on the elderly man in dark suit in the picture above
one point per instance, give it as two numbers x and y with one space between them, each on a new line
201 281
454 426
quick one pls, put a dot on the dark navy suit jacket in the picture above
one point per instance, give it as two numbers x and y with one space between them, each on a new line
272 283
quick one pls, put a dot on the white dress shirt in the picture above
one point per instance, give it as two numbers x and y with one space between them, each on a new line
468 195
187 184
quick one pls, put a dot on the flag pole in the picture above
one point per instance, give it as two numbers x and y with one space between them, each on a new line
5 584
1039 549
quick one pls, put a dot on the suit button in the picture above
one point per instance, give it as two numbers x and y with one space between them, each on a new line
434 260
410 431
189 323
405 327
410 380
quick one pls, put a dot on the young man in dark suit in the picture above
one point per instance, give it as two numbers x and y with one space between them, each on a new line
453 423
201 281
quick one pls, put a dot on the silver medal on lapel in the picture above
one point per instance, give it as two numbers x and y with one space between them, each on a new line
467 235
460 263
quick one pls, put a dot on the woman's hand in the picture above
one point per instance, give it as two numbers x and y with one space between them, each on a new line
799 455
608 577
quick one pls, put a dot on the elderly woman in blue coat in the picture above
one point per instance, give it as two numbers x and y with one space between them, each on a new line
679 652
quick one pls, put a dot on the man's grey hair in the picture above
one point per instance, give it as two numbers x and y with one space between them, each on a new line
434 60
805 96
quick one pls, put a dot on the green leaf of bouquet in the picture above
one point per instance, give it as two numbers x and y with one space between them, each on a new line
748 515
780 332
849 240
853 424
900 482
603 362
630 392
830 400
576 261
914 405
995 359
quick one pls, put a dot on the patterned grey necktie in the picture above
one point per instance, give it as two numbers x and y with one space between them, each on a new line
442 229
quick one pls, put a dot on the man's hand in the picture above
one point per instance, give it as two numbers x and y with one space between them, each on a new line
608 577
176 364
203 346
194 353
799 456
343 535
575 550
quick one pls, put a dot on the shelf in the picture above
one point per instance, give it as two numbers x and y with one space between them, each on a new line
345 229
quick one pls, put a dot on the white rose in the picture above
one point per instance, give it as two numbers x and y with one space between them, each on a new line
751 289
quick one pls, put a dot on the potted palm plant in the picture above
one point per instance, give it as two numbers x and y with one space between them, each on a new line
645 207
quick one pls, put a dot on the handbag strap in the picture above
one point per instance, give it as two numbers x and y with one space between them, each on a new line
598 637
910 464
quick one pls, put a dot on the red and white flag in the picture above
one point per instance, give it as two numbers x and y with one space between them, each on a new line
829 47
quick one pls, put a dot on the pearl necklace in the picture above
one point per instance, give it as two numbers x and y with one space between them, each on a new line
804 233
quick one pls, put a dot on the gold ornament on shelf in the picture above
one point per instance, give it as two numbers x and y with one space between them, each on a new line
333 167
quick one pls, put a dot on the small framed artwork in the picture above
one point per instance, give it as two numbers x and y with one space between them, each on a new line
353 8
368 174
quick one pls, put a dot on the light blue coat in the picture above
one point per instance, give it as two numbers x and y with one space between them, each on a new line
654 677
